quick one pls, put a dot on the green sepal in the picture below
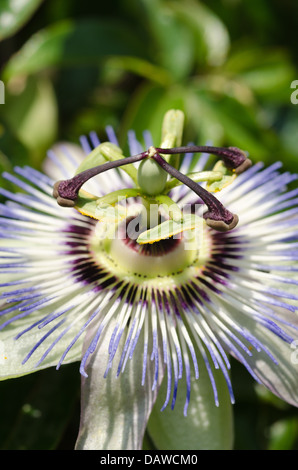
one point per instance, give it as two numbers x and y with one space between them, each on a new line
205 427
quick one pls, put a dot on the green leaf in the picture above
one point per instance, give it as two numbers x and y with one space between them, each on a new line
267 73
283 434
206 426
13 152
36 409
31 114
212 37
141 67
173 43
225 119
147 108
14 14
68 43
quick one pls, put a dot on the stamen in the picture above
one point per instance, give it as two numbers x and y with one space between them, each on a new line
234 158
217 217
66 191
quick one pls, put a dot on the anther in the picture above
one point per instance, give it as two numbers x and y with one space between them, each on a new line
220 225
236 160
62 201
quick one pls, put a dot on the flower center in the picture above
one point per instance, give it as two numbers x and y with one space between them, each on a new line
170 257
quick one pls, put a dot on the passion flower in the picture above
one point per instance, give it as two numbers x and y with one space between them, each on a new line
159 272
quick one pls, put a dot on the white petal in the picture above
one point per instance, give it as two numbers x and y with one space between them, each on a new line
115 410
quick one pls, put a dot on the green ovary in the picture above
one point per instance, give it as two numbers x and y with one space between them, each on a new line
151 177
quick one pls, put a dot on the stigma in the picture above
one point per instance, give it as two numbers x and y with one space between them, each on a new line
151 179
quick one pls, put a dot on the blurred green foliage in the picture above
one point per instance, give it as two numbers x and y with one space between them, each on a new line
73 67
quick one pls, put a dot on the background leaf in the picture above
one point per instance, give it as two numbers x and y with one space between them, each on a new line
32 115
196 431
82 42
210 34
14 13
37 410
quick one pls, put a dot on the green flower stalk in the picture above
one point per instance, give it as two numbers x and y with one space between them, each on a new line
151 276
